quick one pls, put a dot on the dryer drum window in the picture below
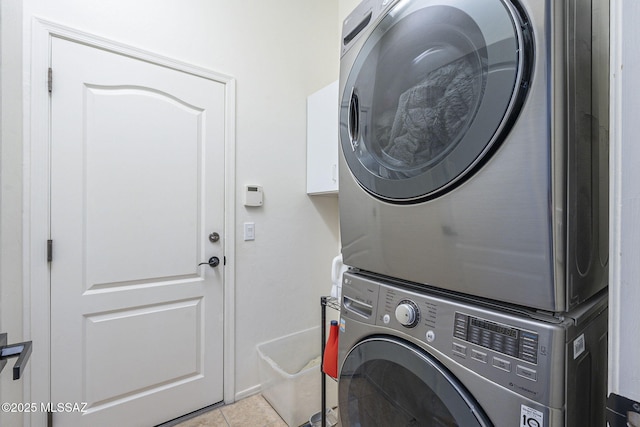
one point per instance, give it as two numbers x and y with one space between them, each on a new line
437 84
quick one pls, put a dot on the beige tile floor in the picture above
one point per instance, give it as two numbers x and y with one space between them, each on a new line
253 411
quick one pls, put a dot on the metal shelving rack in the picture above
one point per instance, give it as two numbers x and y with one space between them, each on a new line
333 303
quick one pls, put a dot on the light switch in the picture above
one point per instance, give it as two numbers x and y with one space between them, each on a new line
249 231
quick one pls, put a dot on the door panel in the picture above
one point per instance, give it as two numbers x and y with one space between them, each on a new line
123 130
137 185
108 331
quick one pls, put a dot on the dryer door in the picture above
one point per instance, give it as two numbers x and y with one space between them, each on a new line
387 382
433 89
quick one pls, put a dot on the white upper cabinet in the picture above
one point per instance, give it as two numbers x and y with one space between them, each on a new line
322 141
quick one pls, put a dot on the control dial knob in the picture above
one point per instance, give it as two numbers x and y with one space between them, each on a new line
407 313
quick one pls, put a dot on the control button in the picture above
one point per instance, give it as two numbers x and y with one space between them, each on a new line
511 347
460 333
407 313
460 327
512 341
459 349
497 343
386 319
475 335
431 336
530 336
485 338
479 356
505 365
527 373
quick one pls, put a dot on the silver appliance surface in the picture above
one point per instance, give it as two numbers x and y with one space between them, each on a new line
474 146
407 357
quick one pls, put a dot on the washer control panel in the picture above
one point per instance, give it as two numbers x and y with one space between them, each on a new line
513 351
498 337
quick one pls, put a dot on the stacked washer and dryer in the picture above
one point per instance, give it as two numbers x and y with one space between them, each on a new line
474 213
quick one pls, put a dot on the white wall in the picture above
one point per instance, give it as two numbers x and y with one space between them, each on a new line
624 316
279 52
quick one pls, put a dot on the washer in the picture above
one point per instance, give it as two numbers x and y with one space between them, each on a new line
408 358
474 140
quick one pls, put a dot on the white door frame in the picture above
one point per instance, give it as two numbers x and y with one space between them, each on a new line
37 295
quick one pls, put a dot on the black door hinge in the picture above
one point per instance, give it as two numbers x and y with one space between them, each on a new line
50 80
49 250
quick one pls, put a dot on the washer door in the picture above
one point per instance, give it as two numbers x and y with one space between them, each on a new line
387 382
433 89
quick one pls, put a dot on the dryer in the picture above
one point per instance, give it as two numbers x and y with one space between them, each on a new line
410 358
474 141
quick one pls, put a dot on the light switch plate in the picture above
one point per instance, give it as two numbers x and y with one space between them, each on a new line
249 231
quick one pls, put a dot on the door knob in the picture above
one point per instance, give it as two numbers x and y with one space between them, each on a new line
213 262
214 237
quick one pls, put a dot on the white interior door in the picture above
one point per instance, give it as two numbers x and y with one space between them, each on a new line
137 186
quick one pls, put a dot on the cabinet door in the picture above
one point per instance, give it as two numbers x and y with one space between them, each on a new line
322 141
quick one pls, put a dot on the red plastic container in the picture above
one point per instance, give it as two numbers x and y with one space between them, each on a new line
330 359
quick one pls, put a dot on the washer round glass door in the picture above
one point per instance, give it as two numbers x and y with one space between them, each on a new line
387 382
434 87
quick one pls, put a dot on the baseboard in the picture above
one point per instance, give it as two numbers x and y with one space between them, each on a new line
247 393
